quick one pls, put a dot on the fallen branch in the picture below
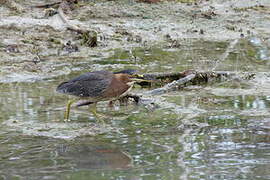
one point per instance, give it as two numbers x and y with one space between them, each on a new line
89 38
49 5
201 77
65 20
184 79
174 75
12 5
172 86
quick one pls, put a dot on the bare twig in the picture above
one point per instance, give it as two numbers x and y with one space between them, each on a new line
12 5
172 86
89 38
47 5
65 20
173 75
191 78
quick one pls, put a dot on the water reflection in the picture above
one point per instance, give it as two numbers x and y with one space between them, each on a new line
220 100
263 52
36 158
94 156
225 153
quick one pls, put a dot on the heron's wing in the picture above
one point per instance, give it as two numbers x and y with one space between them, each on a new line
91 84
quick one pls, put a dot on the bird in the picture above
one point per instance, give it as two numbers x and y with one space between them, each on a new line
98 86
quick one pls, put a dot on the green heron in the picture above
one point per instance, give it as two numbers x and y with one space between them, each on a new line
98 86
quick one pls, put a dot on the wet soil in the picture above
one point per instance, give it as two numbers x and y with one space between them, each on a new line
36 47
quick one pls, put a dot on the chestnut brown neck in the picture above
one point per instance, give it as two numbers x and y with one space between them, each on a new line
124 78
118 86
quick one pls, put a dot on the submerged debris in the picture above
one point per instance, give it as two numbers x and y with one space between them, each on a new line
50 12
69 47
12 5
176 81
89 38
12 48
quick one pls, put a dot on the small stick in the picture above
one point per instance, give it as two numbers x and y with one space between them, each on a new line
47 5
172 86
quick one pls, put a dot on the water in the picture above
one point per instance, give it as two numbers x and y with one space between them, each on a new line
214 131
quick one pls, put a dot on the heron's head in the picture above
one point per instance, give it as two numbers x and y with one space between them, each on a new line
130 76
130 79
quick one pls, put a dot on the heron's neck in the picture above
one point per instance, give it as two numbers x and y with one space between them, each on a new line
124 78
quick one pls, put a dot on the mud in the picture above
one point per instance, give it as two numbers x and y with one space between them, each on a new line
39 42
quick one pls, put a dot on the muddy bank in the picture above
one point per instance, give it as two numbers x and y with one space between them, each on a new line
36 47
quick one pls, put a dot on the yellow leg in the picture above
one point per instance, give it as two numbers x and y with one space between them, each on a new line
70 102
93 109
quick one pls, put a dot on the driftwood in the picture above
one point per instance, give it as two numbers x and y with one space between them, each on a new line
172 86
185 79
89 37
67 3
49 5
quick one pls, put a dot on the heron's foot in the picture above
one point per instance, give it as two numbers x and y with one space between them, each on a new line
123 101
98 116
66 120
101 121
111 104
